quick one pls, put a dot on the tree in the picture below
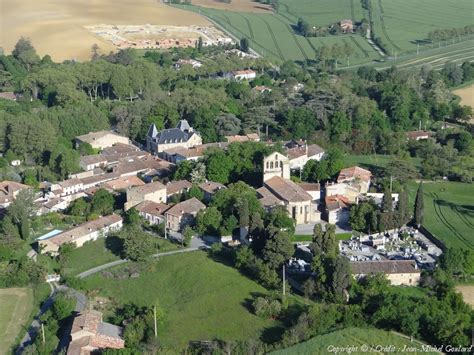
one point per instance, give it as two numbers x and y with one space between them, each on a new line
196 192
102 202
22 210
132 217
403 211
137 245
419 206
187 235
277 250
79 207
218 166
25 53
244 45
208 221
339 278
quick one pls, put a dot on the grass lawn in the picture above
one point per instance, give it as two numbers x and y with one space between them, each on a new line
201 299
16 305
352 337
101 251
449 211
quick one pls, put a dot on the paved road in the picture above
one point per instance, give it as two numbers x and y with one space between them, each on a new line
35 324
196 243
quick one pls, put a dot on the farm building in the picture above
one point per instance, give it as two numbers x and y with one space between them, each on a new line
346 25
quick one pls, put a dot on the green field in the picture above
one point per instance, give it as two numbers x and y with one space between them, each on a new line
16 305
272 35
375 340
402 24
449 212
101 251
201 299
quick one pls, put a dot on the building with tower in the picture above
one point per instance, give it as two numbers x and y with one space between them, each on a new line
182 136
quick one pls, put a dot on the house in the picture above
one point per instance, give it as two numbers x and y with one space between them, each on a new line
346 25
123 183
192 62
9 191
418 135
251 137
297 201
91 162
16 162
97 180
183 214
179 154
356 176
398 272
247 74
209 189
148 166
67 187
337 209
349 191
181 136
154 191
81 234
120 149
90 334
151 211
276 164
299 155
53 205
177 187
101 139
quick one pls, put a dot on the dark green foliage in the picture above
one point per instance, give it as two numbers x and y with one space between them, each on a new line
102 202
419 206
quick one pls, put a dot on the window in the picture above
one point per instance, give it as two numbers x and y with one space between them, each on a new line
268 164
271 165
281 164
301 210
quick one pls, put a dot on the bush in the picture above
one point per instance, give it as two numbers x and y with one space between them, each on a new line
266 307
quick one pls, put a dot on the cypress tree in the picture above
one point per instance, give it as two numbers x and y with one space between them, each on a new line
402 208
419 206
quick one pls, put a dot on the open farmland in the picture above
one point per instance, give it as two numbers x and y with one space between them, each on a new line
449 212
273 35
201 299
57 27
467 292
360 341
16 305
403 24
235 5
466 94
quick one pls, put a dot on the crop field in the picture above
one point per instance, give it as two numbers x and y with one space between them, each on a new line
235 5
273 35
16 305
466 94
356 339
201 299
449 212
467 292
57 27
403 24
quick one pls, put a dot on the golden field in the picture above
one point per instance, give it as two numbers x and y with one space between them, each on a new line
56 27
467 95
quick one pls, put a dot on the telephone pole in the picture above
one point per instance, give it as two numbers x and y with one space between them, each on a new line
154 317
42 332
284 280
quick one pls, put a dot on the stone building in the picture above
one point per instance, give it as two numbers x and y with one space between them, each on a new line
398 272
101 139
276 164
154 191
181 136
183 214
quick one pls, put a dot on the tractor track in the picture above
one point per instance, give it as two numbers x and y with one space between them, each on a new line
274 39
288 27
384 29
357 44
445 221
